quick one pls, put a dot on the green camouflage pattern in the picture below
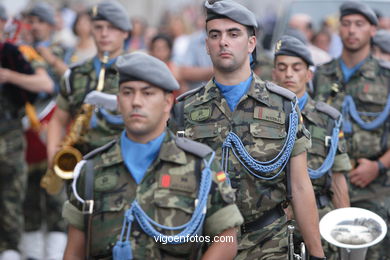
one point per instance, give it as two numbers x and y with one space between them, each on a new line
369 87
260 121
13 183
81 81
172 205
320 125
40 207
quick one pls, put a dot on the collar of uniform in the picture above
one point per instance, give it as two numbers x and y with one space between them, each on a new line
170 152
258 90
111 157
310 113
309 109
209 92
333 67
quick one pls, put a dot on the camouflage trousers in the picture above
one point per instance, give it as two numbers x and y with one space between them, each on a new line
376 198
13 181
40 207
269 243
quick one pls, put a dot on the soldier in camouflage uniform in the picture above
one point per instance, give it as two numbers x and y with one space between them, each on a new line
291 70
110 27
238 107
39 207
148 170
17 81
356 78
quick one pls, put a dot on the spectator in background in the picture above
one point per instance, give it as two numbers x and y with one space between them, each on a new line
303 22
161 48
195 65
137 40
62 34
381 45
322 40
85 47
177 29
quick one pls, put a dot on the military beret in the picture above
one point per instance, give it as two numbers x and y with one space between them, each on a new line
43 11
3 13
382 40
113 12
139 66
354 7
231 10
296 34
291 46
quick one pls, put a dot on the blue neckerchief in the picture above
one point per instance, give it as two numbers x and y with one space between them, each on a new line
234 93
348 72
302 101
138 157
97 64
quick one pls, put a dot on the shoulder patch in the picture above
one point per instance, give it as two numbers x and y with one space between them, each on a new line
100 149
327 109
196 148
279 90
188 93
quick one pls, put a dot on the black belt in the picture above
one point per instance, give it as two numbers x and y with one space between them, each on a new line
322 200
266 219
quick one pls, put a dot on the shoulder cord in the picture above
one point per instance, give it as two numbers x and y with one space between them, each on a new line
254 167
328 162
349 108
193 226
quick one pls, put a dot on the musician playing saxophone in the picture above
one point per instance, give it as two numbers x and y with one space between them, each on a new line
110 27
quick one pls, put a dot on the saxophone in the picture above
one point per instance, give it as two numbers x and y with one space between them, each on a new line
66 159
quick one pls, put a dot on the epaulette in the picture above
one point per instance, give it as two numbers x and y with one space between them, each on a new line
100 149
196 148
384 64
279 90
327 109
188 93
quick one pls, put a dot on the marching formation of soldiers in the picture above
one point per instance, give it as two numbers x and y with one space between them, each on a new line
239 157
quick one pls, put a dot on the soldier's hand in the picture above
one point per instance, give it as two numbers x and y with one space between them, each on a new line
364 173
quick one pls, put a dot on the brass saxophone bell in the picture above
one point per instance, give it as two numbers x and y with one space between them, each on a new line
51 182
66 160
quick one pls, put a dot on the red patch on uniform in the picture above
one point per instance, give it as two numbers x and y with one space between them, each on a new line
221 176
166 180
366 88
260 115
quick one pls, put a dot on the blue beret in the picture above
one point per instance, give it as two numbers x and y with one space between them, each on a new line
382 40
231 10
354 7
290 46
43 11
113 12
143 67
3 12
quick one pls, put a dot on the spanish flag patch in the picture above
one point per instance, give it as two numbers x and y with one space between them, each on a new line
341 134
221 176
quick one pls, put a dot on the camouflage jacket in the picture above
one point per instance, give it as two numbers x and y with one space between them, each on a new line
369 88
320 126
169 203
260 121
75 86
